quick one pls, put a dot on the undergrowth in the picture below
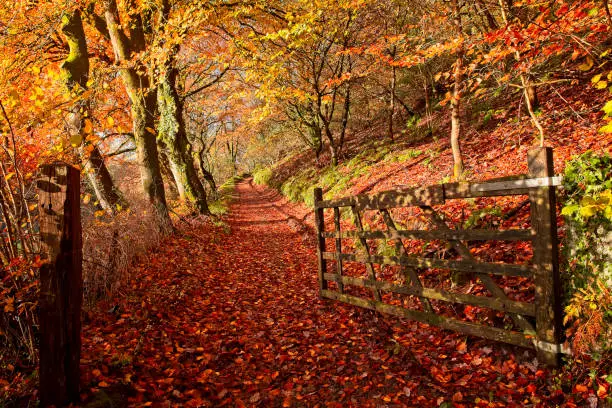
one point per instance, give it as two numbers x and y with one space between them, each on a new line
588 251
225 196
262 176
334 180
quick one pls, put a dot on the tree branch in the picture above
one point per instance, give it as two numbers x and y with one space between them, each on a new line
207 85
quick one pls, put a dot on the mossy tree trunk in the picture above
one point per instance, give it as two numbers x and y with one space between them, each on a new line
166 170
172 133
75 73
143 107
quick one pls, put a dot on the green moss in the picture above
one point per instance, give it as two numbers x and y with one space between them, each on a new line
386 249
296 188
226 196
406 155
262 176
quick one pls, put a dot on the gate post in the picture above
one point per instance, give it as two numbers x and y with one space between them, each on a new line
61 291
320 228
545 258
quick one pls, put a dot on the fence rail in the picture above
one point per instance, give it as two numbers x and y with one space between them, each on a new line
538 323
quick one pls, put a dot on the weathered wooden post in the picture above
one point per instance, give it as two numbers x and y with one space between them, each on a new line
338 249
545 257
320 228
61 290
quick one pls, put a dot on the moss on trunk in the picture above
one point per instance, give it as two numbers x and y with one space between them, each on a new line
75 74
172 134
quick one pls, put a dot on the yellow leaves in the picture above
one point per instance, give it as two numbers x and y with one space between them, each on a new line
110 121
13 99
596 79
76 140
607 108
601 85
53 74
37 92
590 206
86 198
606 129
598 83
587 64
9 176
99 213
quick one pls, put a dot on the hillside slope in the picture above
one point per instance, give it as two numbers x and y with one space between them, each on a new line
494 144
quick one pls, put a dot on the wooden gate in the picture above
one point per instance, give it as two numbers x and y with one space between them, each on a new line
536 324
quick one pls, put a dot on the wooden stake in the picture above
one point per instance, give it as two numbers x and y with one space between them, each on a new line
338 248
61 290
320 227
545 259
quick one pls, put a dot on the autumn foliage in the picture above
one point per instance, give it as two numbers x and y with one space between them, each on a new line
160 102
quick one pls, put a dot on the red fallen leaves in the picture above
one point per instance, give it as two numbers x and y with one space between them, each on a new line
215 319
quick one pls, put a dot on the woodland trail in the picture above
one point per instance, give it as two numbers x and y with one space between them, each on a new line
231 317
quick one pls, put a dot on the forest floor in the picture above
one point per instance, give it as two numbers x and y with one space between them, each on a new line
230 316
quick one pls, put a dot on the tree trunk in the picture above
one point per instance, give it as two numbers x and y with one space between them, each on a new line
75 70
333 151
164 165
458 168
392 105
100 179
531 93
345 118
173 134
530 97
317 139
607 8
143 107
199 159
483 8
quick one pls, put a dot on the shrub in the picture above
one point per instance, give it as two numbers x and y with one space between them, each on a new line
587 209
18 307
262 176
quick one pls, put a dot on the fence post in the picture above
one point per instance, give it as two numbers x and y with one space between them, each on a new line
545 259
338 250
320 227
61 283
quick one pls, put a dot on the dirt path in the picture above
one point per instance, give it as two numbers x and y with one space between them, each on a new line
232 318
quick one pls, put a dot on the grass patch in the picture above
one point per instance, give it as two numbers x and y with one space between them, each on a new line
220 206
262 176
406 155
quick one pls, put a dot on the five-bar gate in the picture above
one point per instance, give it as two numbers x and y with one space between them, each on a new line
537 324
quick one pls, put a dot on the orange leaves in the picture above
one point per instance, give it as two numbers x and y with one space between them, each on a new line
580 388
336 82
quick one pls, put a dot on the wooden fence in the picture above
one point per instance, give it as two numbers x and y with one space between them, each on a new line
537 324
